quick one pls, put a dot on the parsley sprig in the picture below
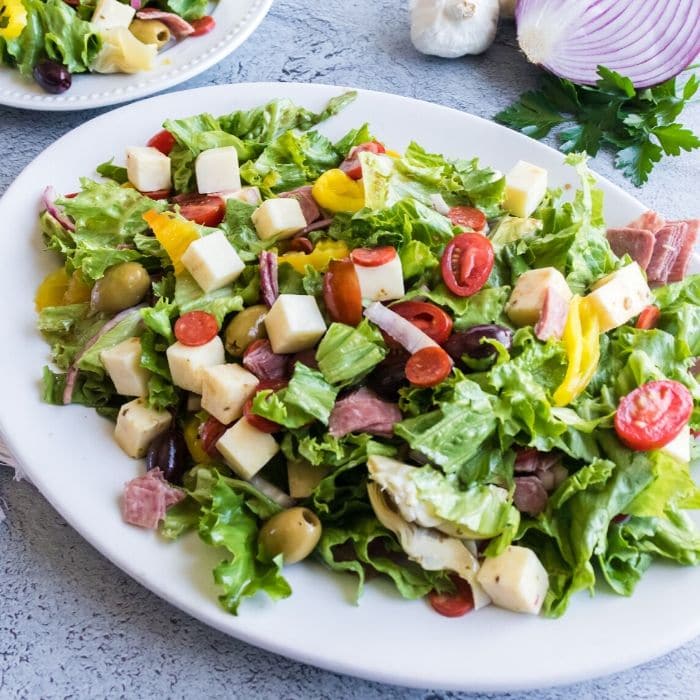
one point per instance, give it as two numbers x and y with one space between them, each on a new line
639 125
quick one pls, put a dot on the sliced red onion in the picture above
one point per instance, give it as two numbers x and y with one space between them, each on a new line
49 200
178 26
272 492
439 204
649 42
269 284
136 4
401 330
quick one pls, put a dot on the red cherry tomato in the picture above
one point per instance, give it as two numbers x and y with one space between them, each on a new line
373 257
467 263
204 209
210 433
196 328
203 26
341 292
469 217
351 165
648 318
164 141
453 604
431 319
157 194
653 414
428 367
263 424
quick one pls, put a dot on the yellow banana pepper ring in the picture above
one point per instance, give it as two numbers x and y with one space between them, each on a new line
173 234
52 290
336 192
194 442
13 18
318 258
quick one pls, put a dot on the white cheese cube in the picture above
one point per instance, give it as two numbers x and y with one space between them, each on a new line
225 389
217 170
278 218
187 362
619 297
123 364
294 323
111 14
212 261
526 185
527 298
515 580
138 426
383 282
679 447
148 169
246 449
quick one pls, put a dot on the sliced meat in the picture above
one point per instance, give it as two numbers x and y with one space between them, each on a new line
530 496
530 460
649 220
680 267
178 26
362 411
316 226
263 363
269 280
306 357
553 316
669 242
638 243
147 498
309 208
552 477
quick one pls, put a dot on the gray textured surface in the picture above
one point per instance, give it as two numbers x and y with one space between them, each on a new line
73 625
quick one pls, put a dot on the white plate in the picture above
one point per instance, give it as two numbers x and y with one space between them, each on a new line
236 20
70 455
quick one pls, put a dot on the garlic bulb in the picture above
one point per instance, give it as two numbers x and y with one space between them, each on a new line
452 28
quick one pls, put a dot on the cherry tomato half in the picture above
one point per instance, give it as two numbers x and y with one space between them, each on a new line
431 319
467 263
263 424
164 141
203 25
428 367
373 257
453 604
341 292
210 433
196 328
351 165
469 217
204 209
648 318
653 414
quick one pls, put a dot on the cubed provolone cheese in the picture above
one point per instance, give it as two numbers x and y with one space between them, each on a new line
279 218
619 297
138 425
148 169
383 282
527 298
111 14
294 323
187 362
217 170
526 186
123 364
679 447
246 449
515 580
212 261
225 389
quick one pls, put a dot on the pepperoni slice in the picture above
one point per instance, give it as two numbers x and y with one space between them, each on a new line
351 166
261 423
196 328
203 209
373 257
428 367
648 318
203 25
431 319
164 141
341 293
157 194
453 604
468 217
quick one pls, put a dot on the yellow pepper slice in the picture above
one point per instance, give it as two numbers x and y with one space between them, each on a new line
173 234
13 18
318 258
392 154
78 291
337 192
194 442
52 290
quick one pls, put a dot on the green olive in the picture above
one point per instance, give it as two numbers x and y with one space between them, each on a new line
150 31
245 327
292 533
123 286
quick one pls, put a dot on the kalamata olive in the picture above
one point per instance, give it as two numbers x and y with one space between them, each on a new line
390 374
293 533
469 342
245 327
168 452
52 76
122 287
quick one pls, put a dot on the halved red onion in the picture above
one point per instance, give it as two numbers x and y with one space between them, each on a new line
649 42
401 330
49 200
178 26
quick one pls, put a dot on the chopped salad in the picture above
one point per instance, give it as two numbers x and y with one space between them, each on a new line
399 364
51 40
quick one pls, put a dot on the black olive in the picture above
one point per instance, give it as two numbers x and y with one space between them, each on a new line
168 452
469 342
52 76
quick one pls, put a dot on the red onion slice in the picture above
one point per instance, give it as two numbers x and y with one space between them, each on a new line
272 492
439 204
401 330
649 42
49 200
269 283
178 26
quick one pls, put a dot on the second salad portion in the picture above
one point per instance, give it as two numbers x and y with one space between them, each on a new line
401 364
